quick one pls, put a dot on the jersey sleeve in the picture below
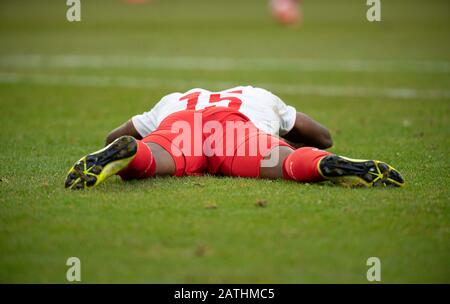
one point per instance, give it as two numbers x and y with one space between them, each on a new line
144 123
147 122
287 115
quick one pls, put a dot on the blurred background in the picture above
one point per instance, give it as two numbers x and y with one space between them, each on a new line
198 42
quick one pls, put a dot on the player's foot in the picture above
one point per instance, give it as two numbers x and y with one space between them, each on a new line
357 172
96 167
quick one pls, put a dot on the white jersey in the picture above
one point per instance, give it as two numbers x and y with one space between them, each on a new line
264 109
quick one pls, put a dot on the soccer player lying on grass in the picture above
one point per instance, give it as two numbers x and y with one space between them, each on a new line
230 133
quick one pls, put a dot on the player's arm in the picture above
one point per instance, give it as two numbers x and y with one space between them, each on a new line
141 125
126 128
308 132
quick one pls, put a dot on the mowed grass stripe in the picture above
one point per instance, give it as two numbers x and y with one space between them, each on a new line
224 64
290 89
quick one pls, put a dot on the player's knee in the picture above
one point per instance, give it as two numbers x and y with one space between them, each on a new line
271 165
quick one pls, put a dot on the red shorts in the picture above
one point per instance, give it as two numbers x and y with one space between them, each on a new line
214 140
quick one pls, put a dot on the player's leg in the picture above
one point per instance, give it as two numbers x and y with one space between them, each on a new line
160 153
276 159
313 165
271 165
256 155
126 156
150 160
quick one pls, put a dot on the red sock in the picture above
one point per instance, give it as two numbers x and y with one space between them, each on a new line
143 164
301 165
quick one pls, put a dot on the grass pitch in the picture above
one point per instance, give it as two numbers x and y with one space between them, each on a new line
382 88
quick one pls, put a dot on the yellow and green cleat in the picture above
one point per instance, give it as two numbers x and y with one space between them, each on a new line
96 167
359 173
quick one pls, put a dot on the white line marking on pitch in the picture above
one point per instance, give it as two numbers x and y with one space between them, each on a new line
214 64
142 82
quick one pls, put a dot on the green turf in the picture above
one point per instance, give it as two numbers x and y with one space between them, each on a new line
164 229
